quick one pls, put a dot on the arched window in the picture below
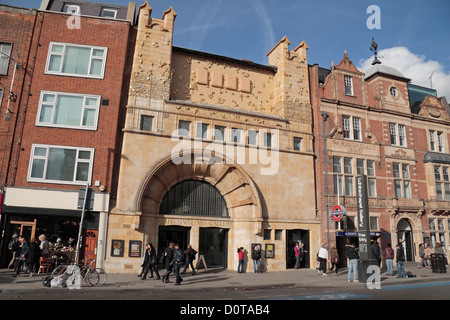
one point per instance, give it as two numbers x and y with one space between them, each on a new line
194 198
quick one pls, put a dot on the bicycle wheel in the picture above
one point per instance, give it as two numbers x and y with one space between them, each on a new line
102 276
59 271
92 277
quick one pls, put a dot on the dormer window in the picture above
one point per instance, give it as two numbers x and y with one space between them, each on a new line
108 13
71 8
348 85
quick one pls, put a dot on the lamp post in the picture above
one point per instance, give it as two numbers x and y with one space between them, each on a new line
325 117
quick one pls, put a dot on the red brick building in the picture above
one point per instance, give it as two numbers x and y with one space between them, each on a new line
397 134
72 123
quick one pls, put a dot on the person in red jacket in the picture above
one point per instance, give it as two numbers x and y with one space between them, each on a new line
240 252
388 254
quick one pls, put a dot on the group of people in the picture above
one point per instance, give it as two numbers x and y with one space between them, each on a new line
27 253
256 257
425 254
173 259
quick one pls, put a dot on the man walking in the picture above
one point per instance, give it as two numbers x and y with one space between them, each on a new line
167 258
352 256
190 257
24 251
178 262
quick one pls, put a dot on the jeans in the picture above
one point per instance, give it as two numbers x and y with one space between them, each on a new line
190 263
25 264
176 271
401 269
241 266
352 265
298 260
256 265
390 266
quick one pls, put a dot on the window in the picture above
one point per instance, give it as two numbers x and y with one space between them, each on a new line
66 165
219 133
267 234
68 110
373 223
108 13
76 60
402 184
346 177
348 85
437 230
184 128
268 139
146 123
436 141
400 138
5 52
298 144
278 234
367 167
71 8
202 130
442 181
393 92
236 135
351 127
252 137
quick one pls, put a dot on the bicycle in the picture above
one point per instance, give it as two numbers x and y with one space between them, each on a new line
92 276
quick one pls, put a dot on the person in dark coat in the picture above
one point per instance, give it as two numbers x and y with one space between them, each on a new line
167 259
150 262
33 256
24 251
190 257
178 263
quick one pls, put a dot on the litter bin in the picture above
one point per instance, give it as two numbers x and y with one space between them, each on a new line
438 262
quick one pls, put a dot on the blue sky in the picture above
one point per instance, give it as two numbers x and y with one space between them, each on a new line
411 30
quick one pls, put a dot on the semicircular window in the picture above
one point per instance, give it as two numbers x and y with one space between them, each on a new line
194 198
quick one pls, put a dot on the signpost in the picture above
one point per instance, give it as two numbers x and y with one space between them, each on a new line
365 249
338 213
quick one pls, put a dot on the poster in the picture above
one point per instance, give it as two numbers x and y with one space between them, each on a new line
117 247
135 248
270 250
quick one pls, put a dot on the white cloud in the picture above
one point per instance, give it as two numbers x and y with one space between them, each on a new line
415 67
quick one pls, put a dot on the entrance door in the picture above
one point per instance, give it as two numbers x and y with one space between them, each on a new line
404 233
89 249
25 228
292 237
213 246
174 234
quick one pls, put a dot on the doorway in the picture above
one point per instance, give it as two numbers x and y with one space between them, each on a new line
292 237
404 233
213 246
176 234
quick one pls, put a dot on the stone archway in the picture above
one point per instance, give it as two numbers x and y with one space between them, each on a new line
234 184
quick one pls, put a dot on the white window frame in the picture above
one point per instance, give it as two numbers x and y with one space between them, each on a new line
436 140
348 83
84 109
68 6
442 182
398 132
63 53
77 160
109 10
5 55
351 127
403 179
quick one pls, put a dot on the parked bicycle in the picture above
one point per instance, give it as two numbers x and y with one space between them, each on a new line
92 276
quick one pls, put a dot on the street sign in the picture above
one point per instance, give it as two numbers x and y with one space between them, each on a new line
338 212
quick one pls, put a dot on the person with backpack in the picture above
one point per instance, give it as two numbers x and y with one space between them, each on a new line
388 254
189 254
14 247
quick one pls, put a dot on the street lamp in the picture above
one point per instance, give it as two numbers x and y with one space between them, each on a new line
325 117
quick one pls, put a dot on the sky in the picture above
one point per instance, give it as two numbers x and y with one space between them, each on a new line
413 36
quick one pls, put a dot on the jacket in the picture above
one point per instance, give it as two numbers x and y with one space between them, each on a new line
256 254
400 255
350 252
167 257
178 257
34 253
388 253
297 251
150 257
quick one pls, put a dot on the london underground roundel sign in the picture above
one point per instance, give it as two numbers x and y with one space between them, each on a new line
337 213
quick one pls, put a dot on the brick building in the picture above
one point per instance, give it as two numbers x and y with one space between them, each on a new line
72 122
392 131
217 152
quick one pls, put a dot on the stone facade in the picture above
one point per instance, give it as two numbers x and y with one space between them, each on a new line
267 184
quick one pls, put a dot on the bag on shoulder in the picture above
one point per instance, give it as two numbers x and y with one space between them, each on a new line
193 254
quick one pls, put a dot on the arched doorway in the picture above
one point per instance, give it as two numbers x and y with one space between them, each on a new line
404 233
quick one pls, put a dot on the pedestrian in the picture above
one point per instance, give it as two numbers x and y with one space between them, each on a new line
334 257
256 256
401 262
323 258
302 255
33 256
178 263
14 247
428 255
189 255
167 260
377 252
150 262
352 255
297 255
422 256
24 251
240 252
388 254
439 249
43 245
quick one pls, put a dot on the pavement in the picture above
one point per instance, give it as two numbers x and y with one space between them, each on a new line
220 279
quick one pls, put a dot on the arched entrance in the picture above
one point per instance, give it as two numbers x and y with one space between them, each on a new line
404 233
